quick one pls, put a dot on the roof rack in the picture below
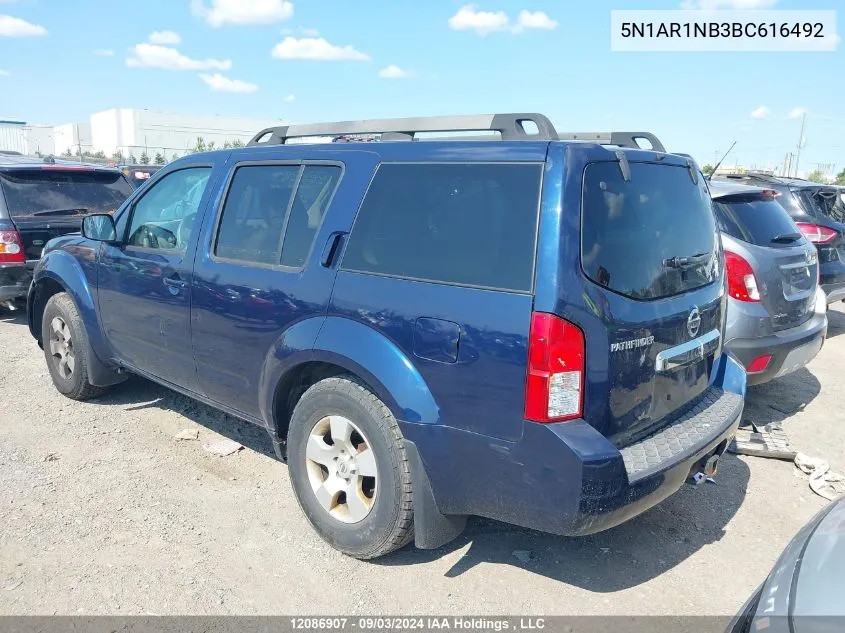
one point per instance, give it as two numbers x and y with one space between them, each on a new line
620 139
509 126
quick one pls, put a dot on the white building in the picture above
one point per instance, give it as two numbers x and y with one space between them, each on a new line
23 137
134 132
73 137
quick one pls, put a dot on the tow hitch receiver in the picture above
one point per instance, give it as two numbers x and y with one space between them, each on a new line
705 470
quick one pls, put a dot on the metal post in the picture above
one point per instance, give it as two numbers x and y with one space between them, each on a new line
800 143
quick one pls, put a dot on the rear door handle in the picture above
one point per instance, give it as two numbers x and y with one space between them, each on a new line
332 248
175 282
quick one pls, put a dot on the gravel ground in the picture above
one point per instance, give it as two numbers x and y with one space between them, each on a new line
104 511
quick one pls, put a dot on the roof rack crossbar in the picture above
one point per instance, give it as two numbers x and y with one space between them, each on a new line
619 139
509 126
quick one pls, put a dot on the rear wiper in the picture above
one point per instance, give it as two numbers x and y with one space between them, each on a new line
683 262
73 211
786 238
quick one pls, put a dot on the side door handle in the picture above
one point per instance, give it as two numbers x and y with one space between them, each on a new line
175 283
332 248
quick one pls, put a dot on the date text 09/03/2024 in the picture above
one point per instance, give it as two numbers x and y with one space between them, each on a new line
417 623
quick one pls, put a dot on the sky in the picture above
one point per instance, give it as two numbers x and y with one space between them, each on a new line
328 60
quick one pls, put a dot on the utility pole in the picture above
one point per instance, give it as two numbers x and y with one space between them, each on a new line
800 143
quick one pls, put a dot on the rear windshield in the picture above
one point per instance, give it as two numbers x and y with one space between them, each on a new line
756 220
822 202
651 237
62 192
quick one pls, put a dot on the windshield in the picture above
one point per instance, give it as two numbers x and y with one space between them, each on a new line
651 237
34 191
756 220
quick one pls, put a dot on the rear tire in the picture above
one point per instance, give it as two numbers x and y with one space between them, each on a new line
349 469
66 348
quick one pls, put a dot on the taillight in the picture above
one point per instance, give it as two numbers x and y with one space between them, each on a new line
817 234
742 284
11 248
555 388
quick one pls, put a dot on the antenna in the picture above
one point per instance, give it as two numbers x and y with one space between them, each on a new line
719 164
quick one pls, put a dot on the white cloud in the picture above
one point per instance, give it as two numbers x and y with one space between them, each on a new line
394 72
712 5
242 12
535 20
164 37
104 52
760 113
154 56
469 18
316 48
15 27
796 113
310 32
289 98
219 83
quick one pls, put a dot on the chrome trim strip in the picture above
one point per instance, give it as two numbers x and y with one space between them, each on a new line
683 354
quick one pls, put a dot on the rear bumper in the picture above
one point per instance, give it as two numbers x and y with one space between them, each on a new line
14 280
567 478
834 292
832 277
790 349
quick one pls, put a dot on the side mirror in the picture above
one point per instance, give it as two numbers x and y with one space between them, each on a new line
100 227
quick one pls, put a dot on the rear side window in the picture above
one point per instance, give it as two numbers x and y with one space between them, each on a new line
756 220
313 195
254 213
467 224
653 236
67 191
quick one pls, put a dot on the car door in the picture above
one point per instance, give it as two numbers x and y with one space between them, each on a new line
259 271
144 280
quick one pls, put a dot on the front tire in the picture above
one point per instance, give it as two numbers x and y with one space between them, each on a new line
349 469
66 348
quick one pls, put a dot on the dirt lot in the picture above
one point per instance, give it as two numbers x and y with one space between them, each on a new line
104 511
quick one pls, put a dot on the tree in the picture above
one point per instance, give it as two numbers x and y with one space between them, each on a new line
707 169
159 159
816 176
118 156
210 146
98 154
174 157
145 158
132 159
67 153
227 144
200 146
840 178
237 143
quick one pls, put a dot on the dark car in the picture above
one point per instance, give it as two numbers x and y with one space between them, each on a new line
819 212
139 174
803 593
777 315
526 329
41 199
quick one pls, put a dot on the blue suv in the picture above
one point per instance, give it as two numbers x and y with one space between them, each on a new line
528 329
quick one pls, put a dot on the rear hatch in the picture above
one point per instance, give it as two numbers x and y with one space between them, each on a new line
652 273
50 201
784 263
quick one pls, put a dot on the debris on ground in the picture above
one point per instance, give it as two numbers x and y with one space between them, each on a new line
823 482
51 457
522 555
14 585
763 441
223 447
187 434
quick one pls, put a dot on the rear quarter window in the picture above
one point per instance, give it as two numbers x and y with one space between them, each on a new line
466 224
651 237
